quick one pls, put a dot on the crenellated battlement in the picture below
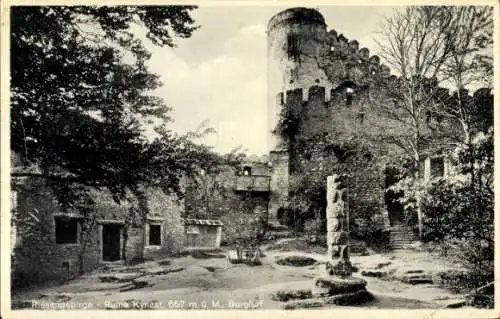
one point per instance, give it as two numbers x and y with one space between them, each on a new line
337 62
321 86
313 94
343 59
318 94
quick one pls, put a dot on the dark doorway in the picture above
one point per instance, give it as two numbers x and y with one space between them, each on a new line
394 207
111 242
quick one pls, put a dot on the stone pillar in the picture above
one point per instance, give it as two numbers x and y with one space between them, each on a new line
218 237
337 227
278 184
427 169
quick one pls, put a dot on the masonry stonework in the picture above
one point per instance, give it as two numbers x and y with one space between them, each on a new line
237 200
323 79
35 240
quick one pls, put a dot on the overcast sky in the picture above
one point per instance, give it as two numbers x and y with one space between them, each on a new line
219 74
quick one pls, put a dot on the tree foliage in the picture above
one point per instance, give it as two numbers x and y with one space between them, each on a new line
81 96
78 107
428 46
459 209
210 186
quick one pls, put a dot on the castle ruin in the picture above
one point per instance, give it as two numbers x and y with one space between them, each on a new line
324 78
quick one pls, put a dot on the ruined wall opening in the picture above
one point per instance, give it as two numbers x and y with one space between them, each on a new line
437 167
394 207
293 46
361 117
154 235
66 230
247 171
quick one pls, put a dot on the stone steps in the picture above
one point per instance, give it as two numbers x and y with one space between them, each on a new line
401 240
401 236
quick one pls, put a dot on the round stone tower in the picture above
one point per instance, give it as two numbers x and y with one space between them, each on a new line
296 38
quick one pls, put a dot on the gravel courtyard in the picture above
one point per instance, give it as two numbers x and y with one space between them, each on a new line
213 282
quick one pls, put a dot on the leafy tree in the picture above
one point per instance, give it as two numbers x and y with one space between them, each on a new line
470 62
212 182
428 45
81 94
459 210
77 106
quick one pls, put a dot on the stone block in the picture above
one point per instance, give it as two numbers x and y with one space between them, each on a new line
156 271
298 261
353 298
456 304
419 281
232 256
304 304
120 277
373 273
341 268
329 286
345 299
382 265
286 295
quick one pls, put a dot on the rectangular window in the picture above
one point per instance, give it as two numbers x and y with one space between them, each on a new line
348 100
293 46
437 167
155 235
361 117
247 171
66 230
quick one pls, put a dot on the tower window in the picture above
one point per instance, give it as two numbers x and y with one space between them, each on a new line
293 46
361 117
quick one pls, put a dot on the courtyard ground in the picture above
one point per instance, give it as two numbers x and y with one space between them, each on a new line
213 282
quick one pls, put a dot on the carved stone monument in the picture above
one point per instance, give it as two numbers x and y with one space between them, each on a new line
337 227
339 286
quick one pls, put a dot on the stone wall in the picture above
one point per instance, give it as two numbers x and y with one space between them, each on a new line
242 211
325 80
169 210
326 125
206 237
236 209
37 257
278 196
